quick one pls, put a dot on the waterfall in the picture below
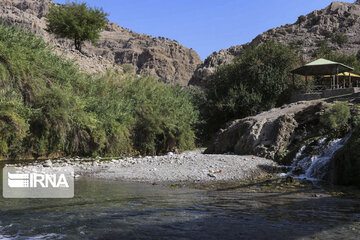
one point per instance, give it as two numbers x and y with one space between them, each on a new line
316 166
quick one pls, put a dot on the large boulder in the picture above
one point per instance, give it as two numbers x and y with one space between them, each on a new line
269 133
345 165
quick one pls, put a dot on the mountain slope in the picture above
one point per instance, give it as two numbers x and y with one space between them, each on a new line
337 25
167 60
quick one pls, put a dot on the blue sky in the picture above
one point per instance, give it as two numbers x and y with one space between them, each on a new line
205 25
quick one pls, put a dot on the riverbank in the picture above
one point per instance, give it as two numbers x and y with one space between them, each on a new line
187 167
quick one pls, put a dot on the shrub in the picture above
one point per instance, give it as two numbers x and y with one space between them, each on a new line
315 20
127 68
13 128
254 83
155 117
351 21
323 50
336 117
300 42
77 22
347 14
301 19
327 34
340 38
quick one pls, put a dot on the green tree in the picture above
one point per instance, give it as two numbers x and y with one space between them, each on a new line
257 81
76 21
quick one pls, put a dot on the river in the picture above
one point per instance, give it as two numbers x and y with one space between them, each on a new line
118 210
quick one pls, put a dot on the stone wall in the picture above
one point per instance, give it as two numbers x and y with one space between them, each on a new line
338 92
296 97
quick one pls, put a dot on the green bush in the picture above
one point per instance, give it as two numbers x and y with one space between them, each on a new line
13 127
257 81
351 21
340 38
315 20
301 19
327 34
336 117
151 117
47 107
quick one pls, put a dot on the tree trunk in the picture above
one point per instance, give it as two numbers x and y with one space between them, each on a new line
77 44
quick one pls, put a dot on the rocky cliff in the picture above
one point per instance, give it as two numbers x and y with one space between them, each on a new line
167 60
338 25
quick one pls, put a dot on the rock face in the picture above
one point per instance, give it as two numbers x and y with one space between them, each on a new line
346 163
216 59
269 133
165 59
328 25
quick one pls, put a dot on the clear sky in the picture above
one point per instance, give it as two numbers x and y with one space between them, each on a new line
205 25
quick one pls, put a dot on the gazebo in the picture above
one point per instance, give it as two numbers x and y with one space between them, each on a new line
321 67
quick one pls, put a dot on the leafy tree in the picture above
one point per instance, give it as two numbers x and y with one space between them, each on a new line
76 21
257 81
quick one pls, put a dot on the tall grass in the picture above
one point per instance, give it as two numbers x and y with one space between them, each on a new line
49 108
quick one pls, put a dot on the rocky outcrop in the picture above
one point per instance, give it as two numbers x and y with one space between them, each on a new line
270 133
210 64
338 25
165 59
346 163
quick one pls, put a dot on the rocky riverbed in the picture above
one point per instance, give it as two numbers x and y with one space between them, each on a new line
188 167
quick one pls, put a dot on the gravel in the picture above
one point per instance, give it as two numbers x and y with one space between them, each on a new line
191 166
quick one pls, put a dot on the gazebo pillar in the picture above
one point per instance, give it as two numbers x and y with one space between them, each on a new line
350 82
337 76
293 79
306 80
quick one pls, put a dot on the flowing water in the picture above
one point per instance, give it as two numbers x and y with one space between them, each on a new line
316 166
118 210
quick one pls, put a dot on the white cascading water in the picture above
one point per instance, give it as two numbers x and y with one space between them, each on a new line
316 167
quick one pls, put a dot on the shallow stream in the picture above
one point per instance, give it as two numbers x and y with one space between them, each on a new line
117 210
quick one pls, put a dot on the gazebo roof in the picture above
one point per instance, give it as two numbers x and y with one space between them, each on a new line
322 67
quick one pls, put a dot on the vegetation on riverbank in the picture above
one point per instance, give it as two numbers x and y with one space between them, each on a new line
49 108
